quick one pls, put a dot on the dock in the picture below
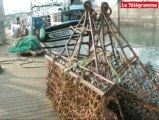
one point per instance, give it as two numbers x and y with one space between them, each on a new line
23 88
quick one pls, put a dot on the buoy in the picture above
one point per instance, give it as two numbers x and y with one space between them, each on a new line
42 34
31 31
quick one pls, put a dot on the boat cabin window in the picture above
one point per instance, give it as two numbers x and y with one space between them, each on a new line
65 17
72 15
56 17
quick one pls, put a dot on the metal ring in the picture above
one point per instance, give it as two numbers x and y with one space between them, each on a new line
87 5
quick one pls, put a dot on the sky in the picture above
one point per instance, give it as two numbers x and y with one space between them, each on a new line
12 6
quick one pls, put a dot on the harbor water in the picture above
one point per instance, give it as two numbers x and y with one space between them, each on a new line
145 42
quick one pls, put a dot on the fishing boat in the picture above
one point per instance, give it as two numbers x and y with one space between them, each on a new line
56 24
61 22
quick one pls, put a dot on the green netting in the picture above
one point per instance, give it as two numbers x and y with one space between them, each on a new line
25 44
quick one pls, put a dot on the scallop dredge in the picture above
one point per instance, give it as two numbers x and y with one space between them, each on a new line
99 76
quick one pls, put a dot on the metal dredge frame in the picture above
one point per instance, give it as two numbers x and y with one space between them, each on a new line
99 65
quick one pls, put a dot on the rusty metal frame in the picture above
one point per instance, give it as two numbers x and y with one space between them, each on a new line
100 59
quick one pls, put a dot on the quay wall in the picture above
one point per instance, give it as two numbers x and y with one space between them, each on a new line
143 17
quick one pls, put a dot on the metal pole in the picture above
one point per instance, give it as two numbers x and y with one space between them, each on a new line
2 29
119 14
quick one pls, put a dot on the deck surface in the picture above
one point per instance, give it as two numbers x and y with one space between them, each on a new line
22 89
